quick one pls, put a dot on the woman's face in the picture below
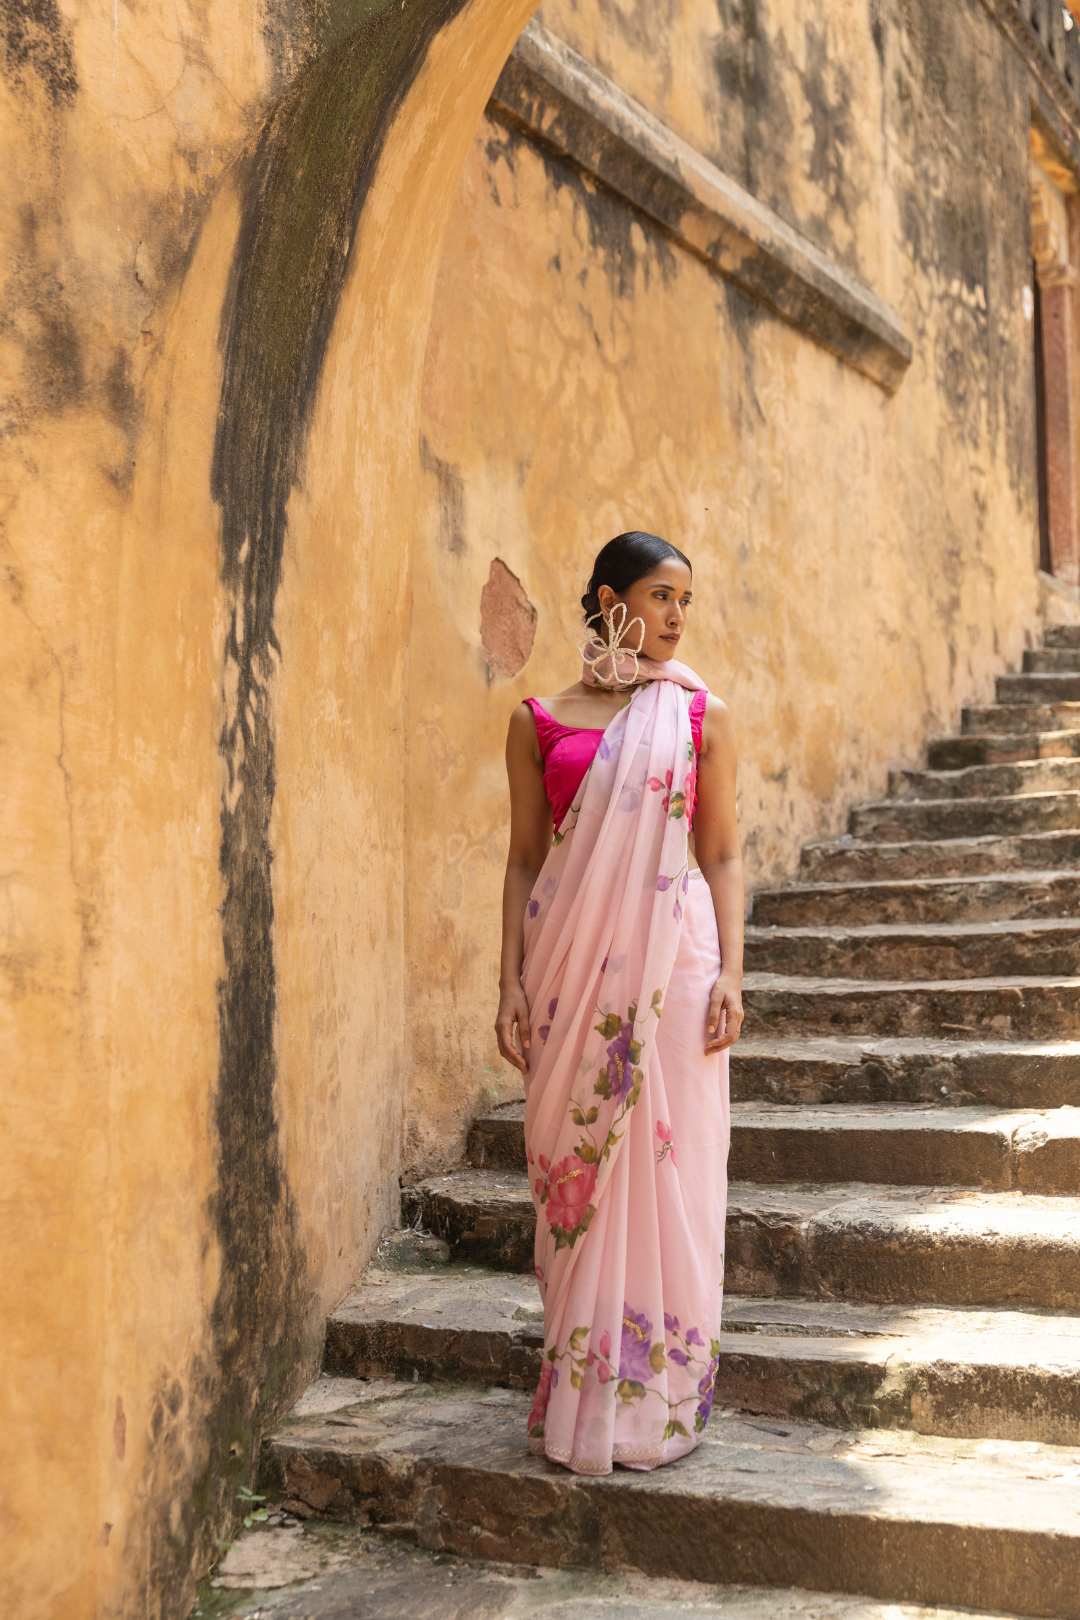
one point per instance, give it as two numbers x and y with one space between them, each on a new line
660 601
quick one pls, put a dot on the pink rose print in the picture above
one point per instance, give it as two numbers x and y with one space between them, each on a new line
540 1400
657 786
571 1184
667 1146
690 790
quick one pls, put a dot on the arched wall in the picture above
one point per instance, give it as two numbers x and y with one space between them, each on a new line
236 1056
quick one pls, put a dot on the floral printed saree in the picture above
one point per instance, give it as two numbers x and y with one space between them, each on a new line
627 1122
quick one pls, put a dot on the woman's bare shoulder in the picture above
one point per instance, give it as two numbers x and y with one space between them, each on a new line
718 725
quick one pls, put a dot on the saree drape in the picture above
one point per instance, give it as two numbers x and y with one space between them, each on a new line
627 1122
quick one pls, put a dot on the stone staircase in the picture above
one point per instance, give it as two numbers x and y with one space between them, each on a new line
898 1402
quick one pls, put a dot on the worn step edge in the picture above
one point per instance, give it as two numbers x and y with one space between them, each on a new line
989 719
804 1070
1004 1374
905 1245
893 951
932 1521
970 783
934 819
851 859
1035 1151
1000 748
879 1243
949 1073
1006 897
881 1143
1021 1006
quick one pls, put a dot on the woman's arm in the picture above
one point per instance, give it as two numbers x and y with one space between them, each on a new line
716 846
530 841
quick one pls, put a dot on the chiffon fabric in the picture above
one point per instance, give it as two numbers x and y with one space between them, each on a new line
627 1122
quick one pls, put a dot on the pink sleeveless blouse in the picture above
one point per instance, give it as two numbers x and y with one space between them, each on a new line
568 751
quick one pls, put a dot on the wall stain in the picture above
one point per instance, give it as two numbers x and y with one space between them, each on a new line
451 499
609 220
37 41
302 193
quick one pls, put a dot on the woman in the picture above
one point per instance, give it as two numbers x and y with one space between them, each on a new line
613 940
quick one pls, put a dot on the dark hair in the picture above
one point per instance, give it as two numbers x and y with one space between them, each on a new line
625 560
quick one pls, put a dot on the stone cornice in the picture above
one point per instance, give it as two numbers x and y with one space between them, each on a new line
1060 101
559 98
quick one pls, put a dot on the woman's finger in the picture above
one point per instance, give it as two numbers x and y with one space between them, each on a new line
523 1027
507 1049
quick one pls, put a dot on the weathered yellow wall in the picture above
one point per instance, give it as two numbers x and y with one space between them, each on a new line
864 564
204 1093
248 905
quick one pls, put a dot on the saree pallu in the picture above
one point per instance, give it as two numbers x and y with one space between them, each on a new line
627 1121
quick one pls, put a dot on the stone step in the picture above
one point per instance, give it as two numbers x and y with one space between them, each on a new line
853 860
336 1571
464 1324
1037 688
902 1144
967 1373
1008 898
962 1372
995 1009
957 753
907 1146
1062 635
950 1073
1052 660
890 820
877 1242
486 1216
1006 718
989 781
905 1245
904 1517
1041 947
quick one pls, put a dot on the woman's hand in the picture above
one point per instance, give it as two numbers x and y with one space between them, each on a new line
725 1015
513 1009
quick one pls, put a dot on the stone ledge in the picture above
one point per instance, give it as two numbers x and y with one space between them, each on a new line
900 1516
556 95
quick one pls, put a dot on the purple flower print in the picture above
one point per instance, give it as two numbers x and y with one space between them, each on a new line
677 913
685 882
620 1075
671 1323
604 749
533 907
552 1004
663 883
705 1390
676 1355
636 1344
544 1031
554 1377
694 1337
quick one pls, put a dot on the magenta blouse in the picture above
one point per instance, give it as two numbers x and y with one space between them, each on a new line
568 751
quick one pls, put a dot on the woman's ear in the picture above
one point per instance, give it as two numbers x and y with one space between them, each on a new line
606 597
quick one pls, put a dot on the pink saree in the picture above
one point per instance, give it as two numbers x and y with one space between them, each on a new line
626 1122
